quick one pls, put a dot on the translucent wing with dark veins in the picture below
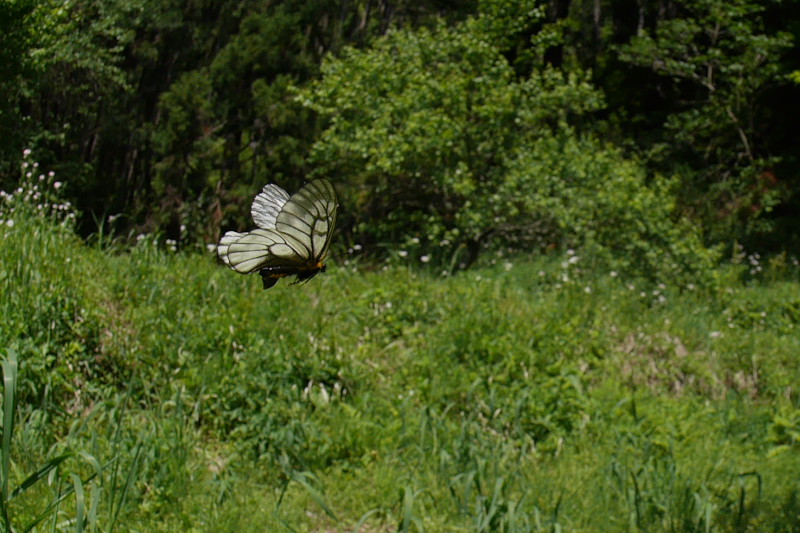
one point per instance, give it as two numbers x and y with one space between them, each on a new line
267 204
293 237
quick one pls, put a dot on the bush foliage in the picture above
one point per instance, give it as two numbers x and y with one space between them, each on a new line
445 149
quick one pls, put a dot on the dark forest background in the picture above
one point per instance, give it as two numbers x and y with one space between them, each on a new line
452 126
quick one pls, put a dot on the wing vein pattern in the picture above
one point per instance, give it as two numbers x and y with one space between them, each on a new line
293 235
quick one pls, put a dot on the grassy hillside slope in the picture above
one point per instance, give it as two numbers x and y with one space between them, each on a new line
535 395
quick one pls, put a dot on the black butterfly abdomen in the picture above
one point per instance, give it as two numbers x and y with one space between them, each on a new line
270 275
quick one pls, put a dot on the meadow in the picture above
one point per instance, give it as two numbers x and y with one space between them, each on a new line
147 389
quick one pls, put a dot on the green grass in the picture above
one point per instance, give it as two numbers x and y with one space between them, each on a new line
499 399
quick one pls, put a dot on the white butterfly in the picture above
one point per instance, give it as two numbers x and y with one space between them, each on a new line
293 236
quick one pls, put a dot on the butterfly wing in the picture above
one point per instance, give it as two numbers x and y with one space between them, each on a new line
225 243
267 204
307 220
260 248
293 236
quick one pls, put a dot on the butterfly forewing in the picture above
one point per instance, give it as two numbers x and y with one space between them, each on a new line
309 217
323 229
267 205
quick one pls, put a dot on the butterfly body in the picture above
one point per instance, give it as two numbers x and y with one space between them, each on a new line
293 234
271 275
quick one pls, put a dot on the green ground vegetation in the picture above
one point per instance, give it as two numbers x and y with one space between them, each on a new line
152 390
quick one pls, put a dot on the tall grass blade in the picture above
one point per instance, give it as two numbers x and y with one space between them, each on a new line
9 408
409 496
128 484
80 502
301 478
92 518
363 520
54 505
39 474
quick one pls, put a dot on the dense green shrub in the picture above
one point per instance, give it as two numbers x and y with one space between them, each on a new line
441 147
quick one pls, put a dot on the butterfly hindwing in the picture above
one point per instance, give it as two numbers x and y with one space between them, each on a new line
258 249
224 244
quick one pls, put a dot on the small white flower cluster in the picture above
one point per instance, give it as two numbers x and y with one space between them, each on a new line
755 264
568 264
319 395
38 194
658 294
424 249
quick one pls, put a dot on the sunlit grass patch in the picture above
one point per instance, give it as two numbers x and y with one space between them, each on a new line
507 398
